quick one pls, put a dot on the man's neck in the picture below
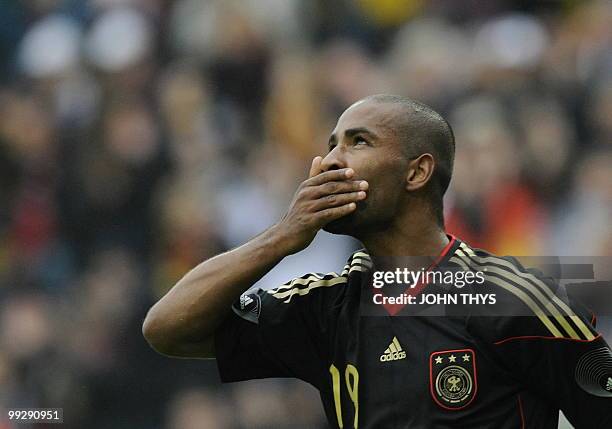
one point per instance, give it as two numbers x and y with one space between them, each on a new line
403 241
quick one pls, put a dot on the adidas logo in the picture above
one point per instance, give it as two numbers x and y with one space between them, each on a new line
393 352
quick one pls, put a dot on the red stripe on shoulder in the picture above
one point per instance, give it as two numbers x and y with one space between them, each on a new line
536 337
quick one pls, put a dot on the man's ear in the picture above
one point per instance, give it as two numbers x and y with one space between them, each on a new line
419 171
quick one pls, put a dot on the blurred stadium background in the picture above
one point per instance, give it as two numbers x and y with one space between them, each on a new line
140 137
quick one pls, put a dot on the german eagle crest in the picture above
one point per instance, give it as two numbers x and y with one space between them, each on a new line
452 378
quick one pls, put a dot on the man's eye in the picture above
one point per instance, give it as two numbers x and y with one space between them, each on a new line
360 141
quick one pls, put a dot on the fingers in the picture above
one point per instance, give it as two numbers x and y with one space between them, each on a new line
334 187
315 168
328 176
336 200
331 188
338 188
331 214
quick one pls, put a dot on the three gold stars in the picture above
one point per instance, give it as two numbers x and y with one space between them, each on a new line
452 358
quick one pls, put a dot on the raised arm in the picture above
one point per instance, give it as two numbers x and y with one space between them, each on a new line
184 321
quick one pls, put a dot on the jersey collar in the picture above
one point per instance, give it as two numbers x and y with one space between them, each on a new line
441 260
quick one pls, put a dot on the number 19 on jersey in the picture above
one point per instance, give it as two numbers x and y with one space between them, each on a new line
351 379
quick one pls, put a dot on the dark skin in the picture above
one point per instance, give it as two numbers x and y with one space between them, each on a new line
396 219
364 187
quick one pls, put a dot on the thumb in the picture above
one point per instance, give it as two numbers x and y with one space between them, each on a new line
315 168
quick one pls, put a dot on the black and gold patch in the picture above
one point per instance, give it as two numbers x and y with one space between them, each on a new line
594 372
452 378
248 306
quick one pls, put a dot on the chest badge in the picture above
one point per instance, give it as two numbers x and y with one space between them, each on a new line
452 378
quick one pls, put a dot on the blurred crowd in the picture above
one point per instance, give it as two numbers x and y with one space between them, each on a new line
140 137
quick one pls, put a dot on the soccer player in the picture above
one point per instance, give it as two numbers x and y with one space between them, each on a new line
513 363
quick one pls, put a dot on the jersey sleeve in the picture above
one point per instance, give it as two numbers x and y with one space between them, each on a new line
551 346
280 332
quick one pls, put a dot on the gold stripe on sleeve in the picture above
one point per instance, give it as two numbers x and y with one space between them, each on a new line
523 279
286 295
522 296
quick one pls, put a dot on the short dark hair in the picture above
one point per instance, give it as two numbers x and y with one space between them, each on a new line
423 130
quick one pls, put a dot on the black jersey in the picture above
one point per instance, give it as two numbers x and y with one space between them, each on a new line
514 364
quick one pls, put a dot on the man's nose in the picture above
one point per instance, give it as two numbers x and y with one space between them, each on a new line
334 160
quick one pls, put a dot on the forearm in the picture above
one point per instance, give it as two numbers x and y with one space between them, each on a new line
184 321
192 310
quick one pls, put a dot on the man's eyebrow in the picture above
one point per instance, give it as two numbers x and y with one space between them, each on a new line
359 130
351 132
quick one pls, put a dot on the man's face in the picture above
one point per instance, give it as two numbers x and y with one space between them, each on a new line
365 140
